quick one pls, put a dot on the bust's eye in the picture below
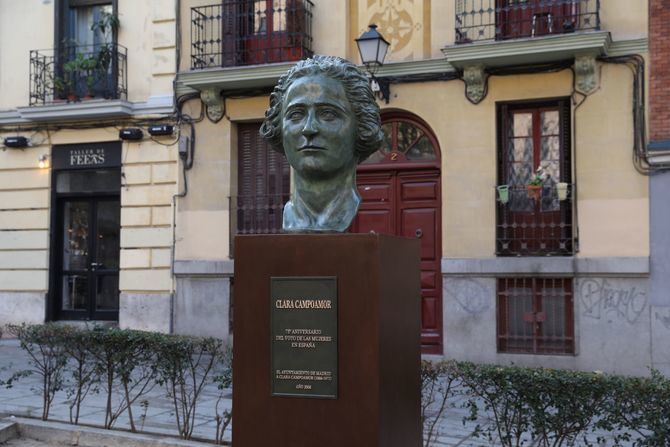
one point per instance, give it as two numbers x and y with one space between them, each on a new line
295 114
328 114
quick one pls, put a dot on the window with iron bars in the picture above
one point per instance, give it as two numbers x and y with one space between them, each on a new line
535 192
535 315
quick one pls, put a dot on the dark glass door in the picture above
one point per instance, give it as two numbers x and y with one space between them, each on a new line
87 285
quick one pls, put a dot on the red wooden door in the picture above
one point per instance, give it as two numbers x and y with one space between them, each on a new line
407 203
530 18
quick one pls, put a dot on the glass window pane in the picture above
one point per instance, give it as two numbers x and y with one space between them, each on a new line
278 15
520 332
550 122
260 17
521 151
83 19
75 292
107 293
89 181
75 235
422 150
550 150
407 134
553 306
107 237
522 124
385 147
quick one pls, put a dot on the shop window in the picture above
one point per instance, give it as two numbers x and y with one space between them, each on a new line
535 315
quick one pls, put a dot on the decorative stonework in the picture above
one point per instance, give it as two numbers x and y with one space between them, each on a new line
213 103
401 23
586 74
475 79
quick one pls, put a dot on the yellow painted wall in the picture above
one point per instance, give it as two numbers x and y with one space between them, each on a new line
613 197
147 30
203 221
24 25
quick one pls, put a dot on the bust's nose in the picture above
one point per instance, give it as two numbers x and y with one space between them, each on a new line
310 124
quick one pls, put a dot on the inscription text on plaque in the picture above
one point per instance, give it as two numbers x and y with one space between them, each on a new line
304 336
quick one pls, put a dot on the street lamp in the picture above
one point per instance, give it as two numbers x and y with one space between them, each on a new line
373 47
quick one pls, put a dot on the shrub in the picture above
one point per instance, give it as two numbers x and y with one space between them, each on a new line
185 365
45 345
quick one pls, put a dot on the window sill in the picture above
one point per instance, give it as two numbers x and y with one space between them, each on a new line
547 266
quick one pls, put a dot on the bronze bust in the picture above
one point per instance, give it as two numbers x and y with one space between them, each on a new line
324 118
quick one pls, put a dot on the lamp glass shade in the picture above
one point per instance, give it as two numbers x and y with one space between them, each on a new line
372 47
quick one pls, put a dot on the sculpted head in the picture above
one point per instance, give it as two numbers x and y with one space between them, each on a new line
323 116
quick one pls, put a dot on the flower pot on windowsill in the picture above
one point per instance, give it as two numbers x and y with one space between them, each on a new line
534 191
503 194
562 190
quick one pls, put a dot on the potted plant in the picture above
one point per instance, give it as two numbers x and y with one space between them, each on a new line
106 25
503 194
534 187
562 190
90 66
71 71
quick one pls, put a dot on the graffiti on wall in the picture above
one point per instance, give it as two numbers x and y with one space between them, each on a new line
664 319
470 295
602 300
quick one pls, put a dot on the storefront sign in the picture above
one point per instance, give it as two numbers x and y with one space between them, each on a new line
87 155
304 336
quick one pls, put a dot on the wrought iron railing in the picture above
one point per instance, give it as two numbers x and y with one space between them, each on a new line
248 32
73 73
478 20
535 223
257 214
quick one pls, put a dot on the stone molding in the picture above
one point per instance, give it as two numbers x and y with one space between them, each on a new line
208 267
526 51
547 266
86 110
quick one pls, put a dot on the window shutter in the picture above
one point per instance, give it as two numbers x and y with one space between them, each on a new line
566 141
230 33
263 183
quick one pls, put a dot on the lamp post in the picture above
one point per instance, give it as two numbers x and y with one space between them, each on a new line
373 47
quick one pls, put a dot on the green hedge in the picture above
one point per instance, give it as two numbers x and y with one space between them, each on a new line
124 366
549 407
526 406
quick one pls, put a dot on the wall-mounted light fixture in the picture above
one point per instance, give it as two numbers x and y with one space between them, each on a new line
43 162
131 133
161 130
373 47
17 141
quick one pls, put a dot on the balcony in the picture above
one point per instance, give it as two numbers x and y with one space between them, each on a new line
237 33
481 20
535 226
75 73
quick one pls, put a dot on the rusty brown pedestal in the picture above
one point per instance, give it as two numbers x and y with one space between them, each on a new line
379 324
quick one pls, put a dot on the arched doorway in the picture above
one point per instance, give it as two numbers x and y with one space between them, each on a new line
401 195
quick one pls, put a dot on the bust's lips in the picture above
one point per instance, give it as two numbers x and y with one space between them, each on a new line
311 147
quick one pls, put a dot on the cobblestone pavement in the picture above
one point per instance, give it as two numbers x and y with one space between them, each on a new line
24 399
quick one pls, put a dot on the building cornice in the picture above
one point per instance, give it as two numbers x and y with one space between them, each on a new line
86 110
536 50
264 76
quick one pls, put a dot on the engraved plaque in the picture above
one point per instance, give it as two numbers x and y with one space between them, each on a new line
304 336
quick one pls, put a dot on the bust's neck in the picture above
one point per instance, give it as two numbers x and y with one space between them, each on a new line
327 205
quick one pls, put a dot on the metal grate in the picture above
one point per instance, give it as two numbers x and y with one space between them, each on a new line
478 20
72 73
261 214
248 32
535 226
535 315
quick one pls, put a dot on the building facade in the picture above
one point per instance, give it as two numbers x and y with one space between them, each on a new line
515 150
86 230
